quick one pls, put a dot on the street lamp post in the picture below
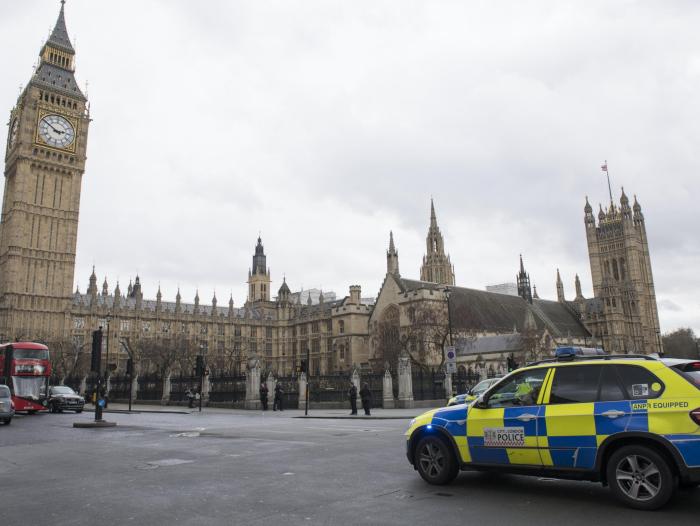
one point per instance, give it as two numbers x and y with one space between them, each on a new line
308 378
201 376
449 314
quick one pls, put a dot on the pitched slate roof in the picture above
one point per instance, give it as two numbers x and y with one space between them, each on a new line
54 78
489 344
59 36
484 311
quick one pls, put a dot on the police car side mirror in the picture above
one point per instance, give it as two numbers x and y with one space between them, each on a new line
481 403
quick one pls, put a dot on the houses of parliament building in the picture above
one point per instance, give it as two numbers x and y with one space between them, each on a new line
44 165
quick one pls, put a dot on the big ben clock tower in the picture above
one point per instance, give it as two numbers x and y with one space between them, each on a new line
44 165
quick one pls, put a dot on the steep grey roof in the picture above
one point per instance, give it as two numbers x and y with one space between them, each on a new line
484 311
560 317
59 35
489 344
54 78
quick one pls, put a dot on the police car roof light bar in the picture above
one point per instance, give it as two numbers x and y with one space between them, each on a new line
596 357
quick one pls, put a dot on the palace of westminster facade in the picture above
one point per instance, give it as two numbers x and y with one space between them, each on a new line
44 165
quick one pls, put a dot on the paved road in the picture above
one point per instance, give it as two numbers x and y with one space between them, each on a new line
247 468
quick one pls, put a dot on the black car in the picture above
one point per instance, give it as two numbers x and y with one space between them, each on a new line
62 397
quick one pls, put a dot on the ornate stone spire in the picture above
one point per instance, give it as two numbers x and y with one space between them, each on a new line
523 280
436 267
59 36
560 289
579 295
105 288
392 257
92 287
535 296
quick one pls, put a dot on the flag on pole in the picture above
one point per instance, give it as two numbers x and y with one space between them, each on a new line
604 167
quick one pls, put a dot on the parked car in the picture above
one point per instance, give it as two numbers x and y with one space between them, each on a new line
62 397
474 392
7 407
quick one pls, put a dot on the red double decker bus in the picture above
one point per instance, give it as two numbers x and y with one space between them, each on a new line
25 368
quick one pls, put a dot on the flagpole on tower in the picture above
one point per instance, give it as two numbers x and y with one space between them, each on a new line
607 174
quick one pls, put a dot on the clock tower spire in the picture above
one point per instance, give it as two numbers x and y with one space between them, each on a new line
44 164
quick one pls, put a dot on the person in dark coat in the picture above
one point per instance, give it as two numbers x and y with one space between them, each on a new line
190 398
366 397
278 398
352 394
263 396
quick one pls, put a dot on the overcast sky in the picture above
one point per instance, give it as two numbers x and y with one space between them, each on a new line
323 125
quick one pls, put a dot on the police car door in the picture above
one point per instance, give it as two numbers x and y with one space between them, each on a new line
570 416
504 428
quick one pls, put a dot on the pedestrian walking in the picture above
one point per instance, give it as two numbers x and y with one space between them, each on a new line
366 397
278 398
263 396
352 394
190 398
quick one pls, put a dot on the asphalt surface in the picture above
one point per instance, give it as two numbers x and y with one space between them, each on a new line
222 467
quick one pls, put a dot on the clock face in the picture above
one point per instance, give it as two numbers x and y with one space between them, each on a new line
56 131
13 131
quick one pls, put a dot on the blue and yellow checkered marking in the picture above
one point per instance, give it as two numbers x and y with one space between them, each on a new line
569 435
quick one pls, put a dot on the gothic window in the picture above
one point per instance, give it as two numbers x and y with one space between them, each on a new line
146 326
329 325
315 345
237 331
623 272
203 330
253 347
268 332
412 315
341 327
268 349
221 330
342 352
166 327
220 346
616 272
314 327
78 323
607 267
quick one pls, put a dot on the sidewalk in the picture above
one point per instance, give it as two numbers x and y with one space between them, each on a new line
334 414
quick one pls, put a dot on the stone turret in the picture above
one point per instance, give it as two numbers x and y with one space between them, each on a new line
355 295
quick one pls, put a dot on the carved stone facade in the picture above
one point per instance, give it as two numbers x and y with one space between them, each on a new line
410 320
44 165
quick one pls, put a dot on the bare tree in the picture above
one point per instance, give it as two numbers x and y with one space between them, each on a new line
69 357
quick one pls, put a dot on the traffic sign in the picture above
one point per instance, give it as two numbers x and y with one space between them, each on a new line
450 354
451 367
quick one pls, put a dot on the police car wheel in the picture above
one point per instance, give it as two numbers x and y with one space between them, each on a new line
435 461
640 477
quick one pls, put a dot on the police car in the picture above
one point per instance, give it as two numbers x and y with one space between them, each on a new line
631 422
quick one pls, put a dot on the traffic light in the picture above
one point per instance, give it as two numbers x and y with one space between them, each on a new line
96 357
129 367
199 366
